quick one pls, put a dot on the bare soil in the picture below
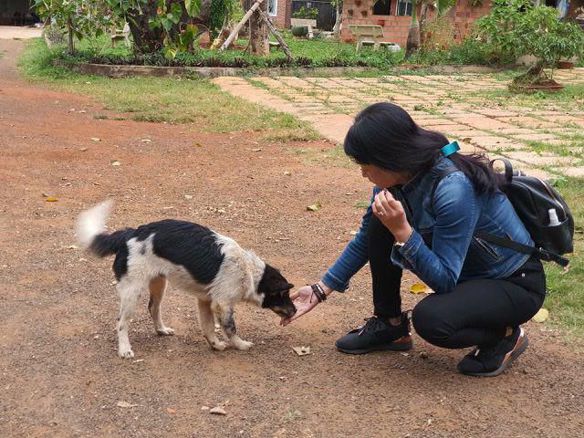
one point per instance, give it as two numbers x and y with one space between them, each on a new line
60 375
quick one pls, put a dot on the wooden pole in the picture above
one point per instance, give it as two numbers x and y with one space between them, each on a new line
237 28
283 44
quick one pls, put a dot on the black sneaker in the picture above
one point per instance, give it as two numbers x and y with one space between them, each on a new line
377 335
492 361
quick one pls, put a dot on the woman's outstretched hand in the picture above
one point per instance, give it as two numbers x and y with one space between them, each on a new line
304 300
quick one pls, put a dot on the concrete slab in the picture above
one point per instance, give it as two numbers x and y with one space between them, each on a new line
19 32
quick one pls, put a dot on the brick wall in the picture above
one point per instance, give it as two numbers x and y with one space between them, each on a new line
463 15
284 13
395 28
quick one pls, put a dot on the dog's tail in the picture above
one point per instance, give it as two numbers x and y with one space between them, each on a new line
92 234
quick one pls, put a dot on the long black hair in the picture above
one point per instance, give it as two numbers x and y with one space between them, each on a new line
386 136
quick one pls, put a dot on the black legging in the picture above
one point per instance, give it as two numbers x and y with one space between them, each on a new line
476 312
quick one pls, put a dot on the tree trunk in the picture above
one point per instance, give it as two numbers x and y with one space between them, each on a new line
259 32
338 19
413 42
423 19
147 40
71 45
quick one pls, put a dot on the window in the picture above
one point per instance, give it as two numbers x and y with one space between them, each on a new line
273 7
382 7
404 7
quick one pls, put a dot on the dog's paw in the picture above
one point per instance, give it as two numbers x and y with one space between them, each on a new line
126 354
165 331
242 345
218 345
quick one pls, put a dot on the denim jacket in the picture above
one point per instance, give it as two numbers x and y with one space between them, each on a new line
443 249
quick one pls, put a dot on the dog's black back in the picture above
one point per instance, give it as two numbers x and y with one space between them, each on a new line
183 243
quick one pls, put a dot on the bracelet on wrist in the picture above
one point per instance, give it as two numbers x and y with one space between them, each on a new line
318 291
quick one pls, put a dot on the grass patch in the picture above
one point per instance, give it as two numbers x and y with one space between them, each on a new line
333 157
171 100
306 53
571 98
565 299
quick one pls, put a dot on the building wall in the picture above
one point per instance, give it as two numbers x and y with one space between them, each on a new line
14 12
463 15
574 4
284 13
395 28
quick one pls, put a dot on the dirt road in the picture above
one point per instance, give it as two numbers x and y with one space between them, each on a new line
60 375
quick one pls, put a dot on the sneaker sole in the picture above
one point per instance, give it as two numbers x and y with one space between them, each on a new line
509 358
395 346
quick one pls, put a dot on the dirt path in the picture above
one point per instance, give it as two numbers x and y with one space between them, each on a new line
60 375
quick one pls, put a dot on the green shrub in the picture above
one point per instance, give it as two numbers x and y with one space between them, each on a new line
304 12
299 31
517 27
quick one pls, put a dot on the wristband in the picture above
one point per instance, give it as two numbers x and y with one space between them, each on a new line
318 291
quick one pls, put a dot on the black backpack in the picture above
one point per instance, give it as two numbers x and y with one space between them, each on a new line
532 198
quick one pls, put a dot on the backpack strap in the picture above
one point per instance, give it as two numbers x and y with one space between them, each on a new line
540 253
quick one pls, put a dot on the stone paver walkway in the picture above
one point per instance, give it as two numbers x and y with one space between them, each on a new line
19 32
539 136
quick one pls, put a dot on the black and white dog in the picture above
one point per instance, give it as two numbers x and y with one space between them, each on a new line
193 258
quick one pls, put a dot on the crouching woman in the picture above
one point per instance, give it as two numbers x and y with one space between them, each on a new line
429 205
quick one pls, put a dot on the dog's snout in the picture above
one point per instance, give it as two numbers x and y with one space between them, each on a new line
286 312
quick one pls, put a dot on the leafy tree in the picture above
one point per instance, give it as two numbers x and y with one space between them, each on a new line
414 31
76 18
171 25
517 27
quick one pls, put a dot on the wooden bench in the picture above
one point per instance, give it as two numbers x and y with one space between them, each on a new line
304 22
119 35
367 34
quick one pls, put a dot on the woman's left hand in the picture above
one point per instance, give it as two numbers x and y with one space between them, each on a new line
391 213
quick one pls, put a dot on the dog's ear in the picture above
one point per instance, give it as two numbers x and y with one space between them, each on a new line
290 286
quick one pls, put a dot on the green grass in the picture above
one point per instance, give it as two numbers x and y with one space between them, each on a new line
332 157
306 53
570 98
171 100
565 299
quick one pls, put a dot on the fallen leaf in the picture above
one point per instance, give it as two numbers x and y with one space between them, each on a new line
314 207
301 351
125 404
51 199
418 288
146 140
205 408
171 411
96 139
116 163
188 196
287 173
256 149
199 145
541 315
218 410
